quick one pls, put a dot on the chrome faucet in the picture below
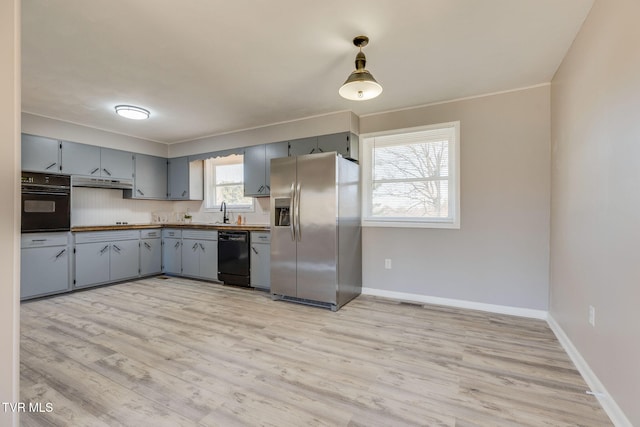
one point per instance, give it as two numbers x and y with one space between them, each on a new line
223 208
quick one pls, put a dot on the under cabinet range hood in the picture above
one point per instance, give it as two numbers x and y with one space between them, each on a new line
81 181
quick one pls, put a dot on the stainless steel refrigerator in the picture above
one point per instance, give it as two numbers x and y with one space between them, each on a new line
316 243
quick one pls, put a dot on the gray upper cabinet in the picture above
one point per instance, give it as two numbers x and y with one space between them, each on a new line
90 160
150 178
344 143
80 159
273 151
257 167
116 164
40 154
302 146
185 179
254 171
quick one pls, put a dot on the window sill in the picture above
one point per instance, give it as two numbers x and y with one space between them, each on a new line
411 224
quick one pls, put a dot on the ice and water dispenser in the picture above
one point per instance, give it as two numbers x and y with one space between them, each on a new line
282 213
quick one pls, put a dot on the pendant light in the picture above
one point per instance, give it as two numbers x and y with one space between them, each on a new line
360 84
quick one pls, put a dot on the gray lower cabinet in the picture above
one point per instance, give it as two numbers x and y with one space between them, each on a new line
106 256
200 254
44 264
40 154
172 251
124 260
150 178
260 257
92 264
150 252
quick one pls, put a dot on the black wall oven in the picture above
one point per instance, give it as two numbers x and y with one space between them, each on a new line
46 202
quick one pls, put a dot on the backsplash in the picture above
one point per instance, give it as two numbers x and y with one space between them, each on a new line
97 206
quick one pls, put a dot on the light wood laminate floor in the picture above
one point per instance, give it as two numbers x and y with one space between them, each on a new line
175 352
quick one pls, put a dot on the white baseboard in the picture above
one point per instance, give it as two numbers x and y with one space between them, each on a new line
492 308
608 404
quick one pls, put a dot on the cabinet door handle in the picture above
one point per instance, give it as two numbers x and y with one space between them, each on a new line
140 192
194 247
102 251
116 248
146 245
254 250
51 165
177 245
320 150
95 170
106 171
60 253
184 193
268 188
312 151
202 247
261 189
38 240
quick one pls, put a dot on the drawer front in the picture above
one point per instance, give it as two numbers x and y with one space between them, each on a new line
36 240
106 236
200 234
151 234
260 237
171 232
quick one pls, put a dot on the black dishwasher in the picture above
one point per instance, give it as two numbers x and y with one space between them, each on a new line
233 257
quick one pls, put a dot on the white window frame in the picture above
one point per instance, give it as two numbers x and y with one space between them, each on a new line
452 221
209 180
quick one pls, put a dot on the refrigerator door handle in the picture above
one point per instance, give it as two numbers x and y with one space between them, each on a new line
292 218
298 232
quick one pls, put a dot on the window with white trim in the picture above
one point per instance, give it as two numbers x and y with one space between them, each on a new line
411 177
224 182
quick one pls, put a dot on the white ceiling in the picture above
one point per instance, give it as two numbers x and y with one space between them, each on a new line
205 67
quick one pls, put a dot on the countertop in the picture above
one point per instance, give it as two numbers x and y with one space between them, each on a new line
193 226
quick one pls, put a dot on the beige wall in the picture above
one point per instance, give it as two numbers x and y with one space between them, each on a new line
10 208
595 232
500 254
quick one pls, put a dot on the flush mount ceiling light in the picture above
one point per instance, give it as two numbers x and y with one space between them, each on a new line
132 112
360 84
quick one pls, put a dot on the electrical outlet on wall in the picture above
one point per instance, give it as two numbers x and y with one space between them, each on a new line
387 263
592 315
